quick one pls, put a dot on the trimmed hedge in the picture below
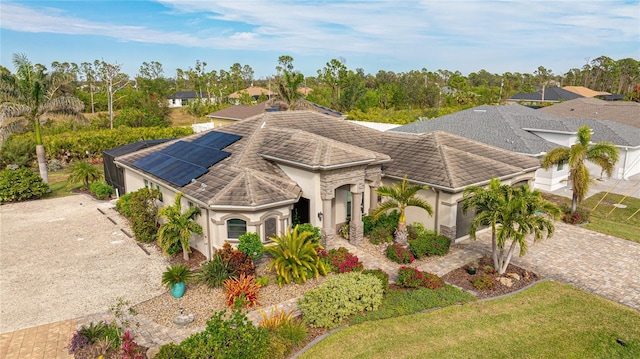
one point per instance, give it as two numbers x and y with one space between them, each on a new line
20 185
339 297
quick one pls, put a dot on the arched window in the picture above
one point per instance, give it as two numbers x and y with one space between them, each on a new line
270 228
236 227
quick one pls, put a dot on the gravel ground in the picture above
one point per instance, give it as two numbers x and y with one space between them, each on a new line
62 258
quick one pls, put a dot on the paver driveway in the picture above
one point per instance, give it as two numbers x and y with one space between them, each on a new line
62 258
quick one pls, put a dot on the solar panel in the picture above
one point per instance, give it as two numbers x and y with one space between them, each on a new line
170 169
194 153
217 139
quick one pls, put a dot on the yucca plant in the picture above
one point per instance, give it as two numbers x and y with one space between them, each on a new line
295 257
241 291
275 319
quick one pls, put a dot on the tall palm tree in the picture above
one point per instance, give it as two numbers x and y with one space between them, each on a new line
31 93
603 154
401 195
178 226
513 213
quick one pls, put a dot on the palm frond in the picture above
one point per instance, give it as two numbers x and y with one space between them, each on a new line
555 156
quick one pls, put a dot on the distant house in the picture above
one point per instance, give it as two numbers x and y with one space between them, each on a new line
253 91
551 94
183 98
584 91
270 171
534 132
235 113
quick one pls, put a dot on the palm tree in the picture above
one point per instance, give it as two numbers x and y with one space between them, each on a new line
512 213
85 172
401 195
603 154
31 93
178 226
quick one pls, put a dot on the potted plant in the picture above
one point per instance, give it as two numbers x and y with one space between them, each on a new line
472 268
175 278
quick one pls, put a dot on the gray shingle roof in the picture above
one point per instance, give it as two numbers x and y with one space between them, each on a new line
238 112
551 94
624 112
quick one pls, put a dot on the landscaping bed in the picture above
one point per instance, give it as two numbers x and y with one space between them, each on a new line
518 278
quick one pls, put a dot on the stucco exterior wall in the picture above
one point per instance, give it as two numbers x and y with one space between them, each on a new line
310 184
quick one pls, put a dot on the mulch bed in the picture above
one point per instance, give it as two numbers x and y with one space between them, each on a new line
460 278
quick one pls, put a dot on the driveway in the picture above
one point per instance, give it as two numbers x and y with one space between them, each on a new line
68 257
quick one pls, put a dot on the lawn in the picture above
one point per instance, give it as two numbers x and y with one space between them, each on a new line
60 187
549 320
606 218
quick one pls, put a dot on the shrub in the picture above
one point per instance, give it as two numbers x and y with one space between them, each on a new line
239 262
316 235
284 338
101 190
345 230
381 275
144 214
439 246
242 291
276 319
380 235
122 204
215 271
19 150
20 185
339 297
341 261
399 254
251 245
413 278
580 216
485 282
263 281
388 221
295 257
83 171
171 351
54 165
232 338
428 243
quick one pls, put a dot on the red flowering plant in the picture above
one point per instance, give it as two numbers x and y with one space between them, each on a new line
399 254
409 277
341 260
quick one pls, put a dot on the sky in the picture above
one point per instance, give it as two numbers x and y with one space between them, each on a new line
399 36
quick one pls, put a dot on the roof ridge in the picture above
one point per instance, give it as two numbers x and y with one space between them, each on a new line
445 159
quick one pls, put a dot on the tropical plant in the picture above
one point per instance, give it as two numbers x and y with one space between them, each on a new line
241 291
82 171
176 273
603 154
101 190
178 226
316 235
295 257
276 318
143 214
214 272
401 195
31 93
512 213
238 261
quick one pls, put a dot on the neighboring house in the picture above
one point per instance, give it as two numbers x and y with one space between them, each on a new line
624 112
253 91
584 91
533 133
551 94
269 171
235 113
183 98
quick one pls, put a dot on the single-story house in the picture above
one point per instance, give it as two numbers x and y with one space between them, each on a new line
235 113
584 91
267 172
549 94
254 91
624 112
183 98
533 133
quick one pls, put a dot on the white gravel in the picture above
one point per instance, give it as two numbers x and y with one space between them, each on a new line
62 258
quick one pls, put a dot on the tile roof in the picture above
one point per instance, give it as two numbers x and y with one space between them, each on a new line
238 112
584 91
551 94
624 112
249 177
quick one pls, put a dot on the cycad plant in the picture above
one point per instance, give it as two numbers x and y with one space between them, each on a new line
295 257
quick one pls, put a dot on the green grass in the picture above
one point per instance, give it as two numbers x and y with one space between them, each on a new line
59 185
606 218
549 320
404 302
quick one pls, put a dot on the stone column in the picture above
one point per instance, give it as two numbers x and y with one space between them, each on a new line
327 223
356 226
373 198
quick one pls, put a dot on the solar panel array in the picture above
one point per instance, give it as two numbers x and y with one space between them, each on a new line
183 161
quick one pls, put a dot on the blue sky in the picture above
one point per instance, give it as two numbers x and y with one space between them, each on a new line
466 36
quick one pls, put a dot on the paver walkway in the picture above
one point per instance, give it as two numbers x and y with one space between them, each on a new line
595 262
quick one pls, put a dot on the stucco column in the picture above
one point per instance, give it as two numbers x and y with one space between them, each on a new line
356 226
373 198
327 223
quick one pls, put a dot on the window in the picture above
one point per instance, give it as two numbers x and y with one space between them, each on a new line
236 227
152 185
348 206
270 228
560 165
